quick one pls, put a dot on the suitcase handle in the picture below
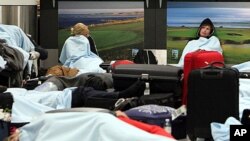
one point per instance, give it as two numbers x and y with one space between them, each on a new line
214 74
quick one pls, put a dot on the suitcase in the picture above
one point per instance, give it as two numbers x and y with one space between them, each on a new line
161 78
196 60
213 96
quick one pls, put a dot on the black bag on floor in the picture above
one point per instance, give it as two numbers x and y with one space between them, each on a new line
213 96
159 99
245 120
145 57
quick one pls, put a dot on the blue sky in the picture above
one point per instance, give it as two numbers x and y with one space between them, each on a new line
220 13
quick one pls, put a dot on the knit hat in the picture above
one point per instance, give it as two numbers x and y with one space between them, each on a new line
208 22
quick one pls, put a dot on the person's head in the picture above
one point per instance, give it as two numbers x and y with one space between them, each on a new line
80 29
206 28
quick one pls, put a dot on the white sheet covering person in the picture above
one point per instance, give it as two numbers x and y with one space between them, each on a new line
76 52
87 126
221 132
243 67
205 41
16 38
29 104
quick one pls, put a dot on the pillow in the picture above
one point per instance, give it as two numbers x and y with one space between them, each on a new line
151 114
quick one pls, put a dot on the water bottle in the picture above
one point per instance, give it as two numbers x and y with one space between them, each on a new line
168 125
147 89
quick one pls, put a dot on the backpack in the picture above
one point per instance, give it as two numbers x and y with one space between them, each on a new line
145 57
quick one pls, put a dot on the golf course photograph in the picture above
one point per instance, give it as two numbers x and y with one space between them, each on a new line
115 31
231 21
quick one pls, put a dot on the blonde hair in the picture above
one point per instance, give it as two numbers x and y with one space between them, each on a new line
80 29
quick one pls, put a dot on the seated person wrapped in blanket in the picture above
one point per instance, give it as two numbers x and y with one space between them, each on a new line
76 51
204 41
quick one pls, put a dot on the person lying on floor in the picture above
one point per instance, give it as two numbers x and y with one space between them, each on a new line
94 126
12 63
14 37
29 103
76 51
53 83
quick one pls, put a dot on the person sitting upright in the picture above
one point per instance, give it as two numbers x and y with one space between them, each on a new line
205 41
76 51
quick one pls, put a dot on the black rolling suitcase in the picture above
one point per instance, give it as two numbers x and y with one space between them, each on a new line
213 96
162 78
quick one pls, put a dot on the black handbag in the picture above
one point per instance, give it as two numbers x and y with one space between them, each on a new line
145 57
245 120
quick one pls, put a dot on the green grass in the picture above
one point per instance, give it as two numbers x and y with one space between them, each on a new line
235 42
241 34
116 41
181 32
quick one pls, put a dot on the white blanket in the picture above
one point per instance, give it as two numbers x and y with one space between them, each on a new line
221 132
17 38
87 126
76 54
243 67
29 104
211 44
